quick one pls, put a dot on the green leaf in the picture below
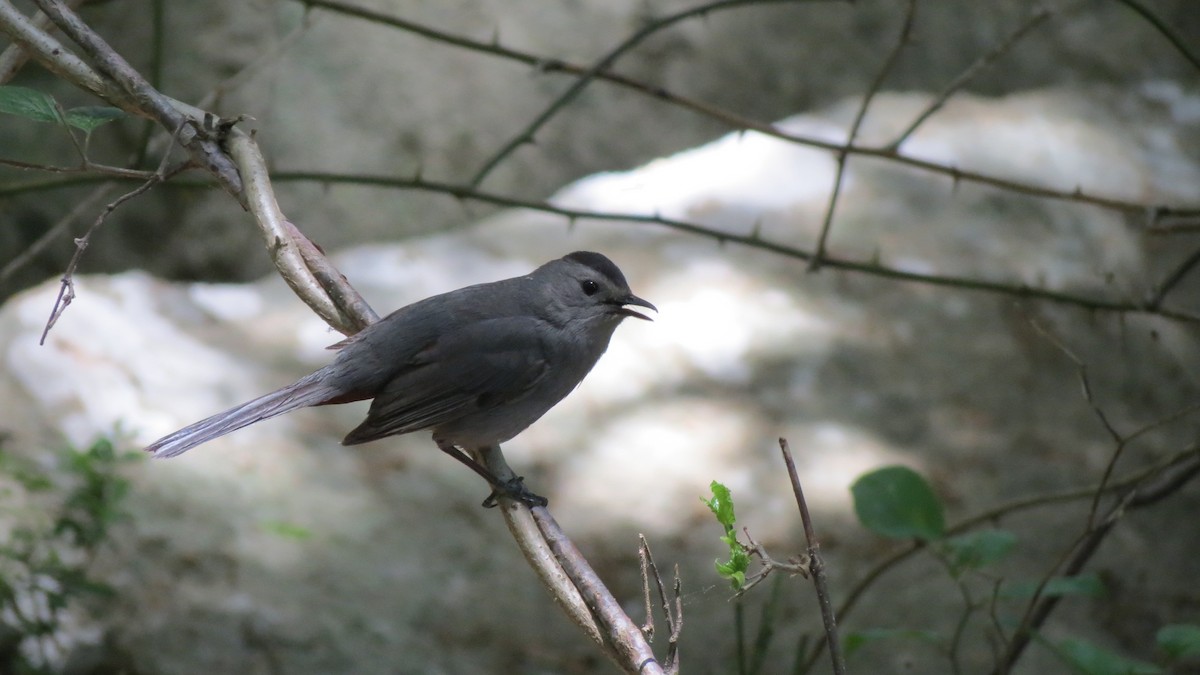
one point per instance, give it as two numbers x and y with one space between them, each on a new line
28 103
288 530
87 118
858 639
1085 657
976 550
1086 585
897 502
721 504
1179 641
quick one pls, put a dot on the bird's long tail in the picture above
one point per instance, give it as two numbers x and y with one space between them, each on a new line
307 391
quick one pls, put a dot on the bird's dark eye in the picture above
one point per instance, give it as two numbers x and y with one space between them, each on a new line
589 287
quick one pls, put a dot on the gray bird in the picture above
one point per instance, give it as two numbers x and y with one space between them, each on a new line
476 366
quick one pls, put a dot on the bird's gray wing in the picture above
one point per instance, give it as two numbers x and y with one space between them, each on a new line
478 366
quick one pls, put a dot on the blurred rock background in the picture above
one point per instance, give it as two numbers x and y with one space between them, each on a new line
276 550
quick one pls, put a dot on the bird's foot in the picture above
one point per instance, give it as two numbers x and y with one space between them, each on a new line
515 489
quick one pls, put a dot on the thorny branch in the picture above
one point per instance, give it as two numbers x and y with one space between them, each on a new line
732 120
755 241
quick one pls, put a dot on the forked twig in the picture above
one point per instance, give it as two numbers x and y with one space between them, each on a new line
843 155
672 612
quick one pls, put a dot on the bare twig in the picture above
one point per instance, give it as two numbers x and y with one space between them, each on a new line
86 167
800 565
56 58
1085 384
66 292
644 561
673 615
816 565
873 88
570 579
1172 280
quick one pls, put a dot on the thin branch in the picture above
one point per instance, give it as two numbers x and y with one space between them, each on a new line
525 530
1159 25
816 565
755 242
797 565
889 62
1172 280
980 64
86 167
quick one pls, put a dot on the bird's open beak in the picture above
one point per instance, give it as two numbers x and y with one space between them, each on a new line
632 299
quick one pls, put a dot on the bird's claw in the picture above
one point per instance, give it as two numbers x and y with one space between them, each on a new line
514 489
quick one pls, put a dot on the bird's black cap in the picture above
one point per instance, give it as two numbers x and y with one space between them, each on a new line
601 264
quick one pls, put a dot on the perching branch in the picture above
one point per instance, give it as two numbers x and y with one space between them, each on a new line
233 158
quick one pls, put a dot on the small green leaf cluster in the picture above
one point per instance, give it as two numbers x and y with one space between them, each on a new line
734 569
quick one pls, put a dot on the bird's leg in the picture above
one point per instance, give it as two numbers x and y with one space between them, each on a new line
513 488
